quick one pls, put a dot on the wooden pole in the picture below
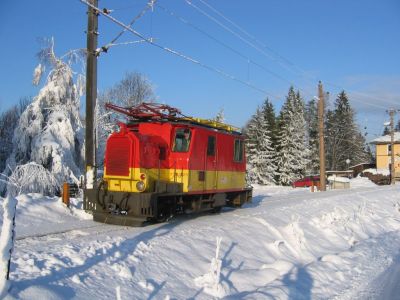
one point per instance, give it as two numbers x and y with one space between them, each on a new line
321 137
91 95
392 167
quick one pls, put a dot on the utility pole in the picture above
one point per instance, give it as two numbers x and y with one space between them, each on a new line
91 95
392 167
321 109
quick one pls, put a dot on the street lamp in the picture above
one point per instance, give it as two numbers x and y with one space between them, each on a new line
348 163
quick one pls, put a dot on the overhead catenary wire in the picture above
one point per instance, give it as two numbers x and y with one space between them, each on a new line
290 64
176 53
246 58
149 5
248 34
362 95
239 36
126 43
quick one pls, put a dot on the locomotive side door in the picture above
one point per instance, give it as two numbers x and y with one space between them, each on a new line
211 163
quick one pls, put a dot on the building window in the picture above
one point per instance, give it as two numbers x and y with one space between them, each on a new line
182 140
238 151
211 146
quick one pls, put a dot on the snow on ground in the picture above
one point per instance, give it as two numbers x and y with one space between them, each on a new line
288 243
39 215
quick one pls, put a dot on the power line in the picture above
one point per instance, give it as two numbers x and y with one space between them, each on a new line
176 53
299 71
248 60
125 43
248 34
246 41
149 5
362 95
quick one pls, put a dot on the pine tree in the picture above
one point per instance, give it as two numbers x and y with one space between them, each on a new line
260 152
344 139
386 130
269 115
293 151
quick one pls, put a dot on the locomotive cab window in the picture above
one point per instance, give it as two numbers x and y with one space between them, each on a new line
238 151
182 140
211 146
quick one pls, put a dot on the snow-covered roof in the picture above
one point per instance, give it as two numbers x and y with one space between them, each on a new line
385 139
360 164
338 179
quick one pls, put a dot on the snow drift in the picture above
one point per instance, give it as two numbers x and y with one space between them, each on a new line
288 243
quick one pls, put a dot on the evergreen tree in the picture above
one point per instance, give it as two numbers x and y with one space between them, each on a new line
313 136
270 117
344 139
261 165
293 151
386 130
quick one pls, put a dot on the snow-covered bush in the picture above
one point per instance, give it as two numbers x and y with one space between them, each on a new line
34 178
211 282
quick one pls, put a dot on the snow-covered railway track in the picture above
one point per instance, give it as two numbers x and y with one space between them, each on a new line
55 233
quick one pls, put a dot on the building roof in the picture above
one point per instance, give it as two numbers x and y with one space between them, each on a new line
385 139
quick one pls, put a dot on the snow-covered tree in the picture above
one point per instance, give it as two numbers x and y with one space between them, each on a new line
105 124
269 115
344 139
261 159
292 140
8 122
312 136
49 131
133 89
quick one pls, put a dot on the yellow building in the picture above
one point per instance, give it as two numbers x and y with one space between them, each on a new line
384 150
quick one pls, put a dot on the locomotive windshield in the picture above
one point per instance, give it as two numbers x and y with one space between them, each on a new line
182 140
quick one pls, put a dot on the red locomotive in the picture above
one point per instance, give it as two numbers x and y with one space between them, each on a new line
162 163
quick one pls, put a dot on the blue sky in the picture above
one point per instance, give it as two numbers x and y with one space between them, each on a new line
347 44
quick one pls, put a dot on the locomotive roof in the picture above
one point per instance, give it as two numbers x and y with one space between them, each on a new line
202 123
161 113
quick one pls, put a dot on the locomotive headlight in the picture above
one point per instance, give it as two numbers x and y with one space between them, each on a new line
140 186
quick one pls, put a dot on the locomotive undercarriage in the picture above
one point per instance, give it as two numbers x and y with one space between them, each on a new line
138 209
